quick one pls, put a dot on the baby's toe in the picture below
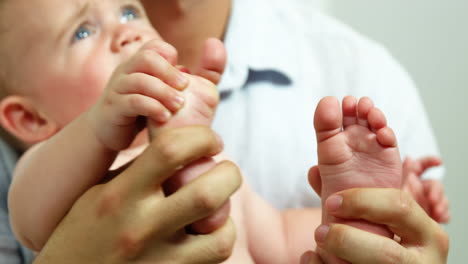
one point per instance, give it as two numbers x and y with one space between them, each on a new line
386 137
349 111
328 119
365 104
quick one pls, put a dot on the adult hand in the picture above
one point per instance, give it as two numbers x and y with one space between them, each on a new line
128 219
419 239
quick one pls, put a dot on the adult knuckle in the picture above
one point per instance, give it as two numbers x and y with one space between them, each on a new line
108 202
391 253
224 243
405 204
339 237
223 248
205 200
167 148
129 244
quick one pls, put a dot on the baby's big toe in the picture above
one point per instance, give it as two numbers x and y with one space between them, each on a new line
328 118
213 61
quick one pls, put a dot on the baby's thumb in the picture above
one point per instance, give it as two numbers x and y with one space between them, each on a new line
213 60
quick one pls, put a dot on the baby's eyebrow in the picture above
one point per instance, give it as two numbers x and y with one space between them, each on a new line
81 11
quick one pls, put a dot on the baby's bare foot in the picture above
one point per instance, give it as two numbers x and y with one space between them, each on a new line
356 148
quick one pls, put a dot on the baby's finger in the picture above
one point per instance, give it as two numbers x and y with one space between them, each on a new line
441 210
135 105
434 189
150 62
166 50
445 218
426 163
139 83
429 162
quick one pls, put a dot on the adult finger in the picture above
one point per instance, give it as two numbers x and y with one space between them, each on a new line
201 197
168 152
310 257
391 207
215 247
360 247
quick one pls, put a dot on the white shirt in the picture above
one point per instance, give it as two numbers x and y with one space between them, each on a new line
280 65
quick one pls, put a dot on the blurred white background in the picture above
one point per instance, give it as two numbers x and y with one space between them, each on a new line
430 39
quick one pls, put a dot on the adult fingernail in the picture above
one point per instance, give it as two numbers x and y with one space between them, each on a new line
305 259
334 202
321 233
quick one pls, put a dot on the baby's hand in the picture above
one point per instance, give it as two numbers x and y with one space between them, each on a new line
146 85
428 193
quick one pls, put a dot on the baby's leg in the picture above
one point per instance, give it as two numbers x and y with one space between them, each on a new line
356 148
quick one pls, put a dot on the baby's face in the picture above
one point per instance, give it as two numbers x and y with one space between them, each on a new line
63 52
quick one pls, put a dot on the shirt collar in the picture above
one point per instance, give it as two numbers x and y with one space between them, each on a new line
257 38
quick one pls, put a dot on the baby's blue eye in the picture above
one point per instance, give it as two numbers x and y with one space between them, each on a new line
81 33
129 14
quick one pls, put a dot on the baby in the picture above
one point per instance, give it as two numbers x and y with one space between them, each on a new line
94 69
91 69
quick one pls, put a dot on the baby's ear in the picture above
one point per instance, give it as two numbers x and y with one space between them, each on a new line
20 117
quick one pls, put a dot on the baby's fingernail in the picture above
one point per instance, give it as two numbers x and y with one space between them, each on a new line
334 202
179 101
321 233
182 80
